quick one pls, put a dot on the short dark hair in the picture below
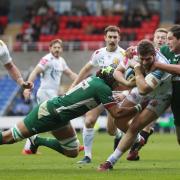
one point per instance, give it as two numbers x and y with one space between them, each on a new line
112 28
175 30
54 41
145 47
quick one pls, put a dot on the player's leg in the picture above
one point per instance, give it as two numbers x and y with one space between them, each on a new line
15 134
158 106
88 133
111 127
42 95
65 141
113 130
127 140
133 154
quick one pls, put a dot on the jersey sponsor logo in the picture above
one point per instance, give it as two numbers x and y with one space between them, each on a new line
43 61
116 61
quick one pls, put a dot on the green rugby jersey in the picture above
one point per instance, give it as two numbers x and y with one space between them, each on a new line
173 59
85 96
171 56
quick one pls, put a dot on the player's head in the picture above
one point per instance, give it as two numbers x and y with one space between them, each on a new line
146 53
112 37
107 75
55 47
173 39
160 37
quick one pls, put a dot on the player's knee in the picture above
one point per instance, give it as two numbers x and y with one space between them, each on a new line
90 123
70 146
72 153
16 135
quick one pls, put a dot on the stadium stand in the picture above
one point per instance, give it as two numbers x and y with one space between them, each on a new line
8 90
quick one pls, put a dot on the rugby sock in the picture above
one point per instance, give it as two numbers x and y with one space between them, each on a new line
146 135
50 143
115 156
88 136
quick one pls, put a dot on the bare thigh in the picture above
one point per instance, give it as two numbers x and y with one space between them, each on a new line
111 127
123 122
92 115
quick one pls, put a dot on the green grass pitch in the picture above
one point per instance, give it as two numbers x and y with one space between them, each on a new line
160 159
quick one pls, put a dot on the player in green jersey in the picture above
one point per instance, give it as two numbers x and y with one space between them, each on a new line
172 52
55 114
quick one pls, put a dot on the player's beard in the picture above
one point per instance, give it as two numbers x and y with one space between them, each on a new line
56 54
112 46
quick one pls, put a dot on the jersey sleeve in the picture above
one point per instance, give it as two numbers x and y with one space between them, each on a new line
154 78
64 64
43 63
94 58
5 57
105 96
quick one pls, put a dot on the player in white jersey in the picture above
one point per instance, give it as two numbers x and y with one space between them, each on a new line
160 39
6 61
153 87
50 67
111 54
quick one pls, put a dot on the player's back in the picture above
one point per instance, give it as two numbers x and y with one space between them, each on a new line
80 99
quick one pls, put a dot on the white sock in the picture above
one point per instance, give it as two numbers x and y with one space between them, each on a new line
88 137
27 145
115 156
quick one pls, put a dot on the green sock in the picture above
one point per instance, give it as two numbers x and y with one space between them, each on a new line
1 138
50 143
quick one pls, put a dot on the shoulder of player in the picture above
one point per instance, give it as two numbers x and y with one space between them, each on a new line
2 43
99 84
161 58
99 51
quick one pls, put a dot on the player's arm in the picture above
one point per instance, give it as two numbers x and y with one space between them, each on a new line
36 71
119 76
170 68
145 84
84 73
72 75
118 112
16 75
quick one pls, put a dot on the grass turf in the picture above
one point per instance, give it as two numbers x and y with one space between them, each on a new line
160 159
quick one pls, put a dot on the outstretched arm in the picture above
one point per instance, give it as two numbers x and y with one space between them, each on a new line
84 73
170 68
16 75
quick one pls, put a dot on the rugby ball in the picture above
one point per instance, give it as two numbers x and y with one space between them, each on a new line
129 74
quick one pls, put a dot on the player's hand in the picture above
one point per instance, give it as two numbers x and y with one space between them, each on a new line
27 94
27 85
130 52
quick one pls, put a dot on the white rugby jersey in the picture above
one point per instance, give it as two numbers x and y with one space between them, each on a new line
52 71
163 78
4 54
102 58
